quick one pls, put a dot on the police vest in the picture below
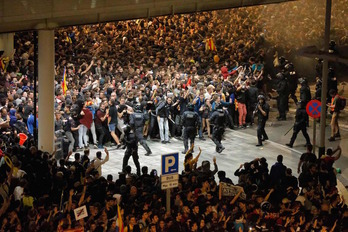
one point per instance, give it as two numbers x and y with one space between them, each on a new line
220 120
191 119
138 119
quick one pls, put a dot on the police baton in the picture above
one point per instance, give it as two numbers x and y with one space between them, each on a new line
288 130
171 120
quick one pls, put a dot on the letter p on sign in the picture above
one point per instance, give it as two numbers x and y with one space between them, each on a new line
170 163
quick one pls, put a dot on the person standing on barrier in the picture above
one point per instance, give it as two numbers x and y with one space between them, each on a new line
137 121
301 120
190 122
262 111
131 149
218 119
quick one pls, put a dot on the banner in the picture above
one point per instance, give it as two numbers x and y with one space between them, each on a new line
229 190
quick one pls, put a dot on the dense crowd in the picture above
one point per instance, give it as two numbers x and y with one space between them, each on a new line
158 68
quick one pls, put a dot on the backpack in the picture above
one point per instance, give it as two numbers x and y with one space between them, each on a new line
341 103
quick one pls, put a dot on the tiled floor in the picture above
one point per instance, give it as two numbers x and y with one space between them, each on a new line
240 148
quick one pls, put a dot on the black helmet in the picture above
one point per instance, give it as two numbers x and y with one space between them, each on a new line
218 106
289 66
303 81
280 75
190 107
302 104
138 107
261 97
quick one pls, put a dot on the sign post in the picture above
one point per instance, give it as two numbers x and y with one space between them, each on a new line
314 110
169 174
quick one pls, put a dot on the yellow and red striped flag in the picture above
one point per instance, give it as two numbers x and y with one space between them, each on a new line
64 85
209 45
119 219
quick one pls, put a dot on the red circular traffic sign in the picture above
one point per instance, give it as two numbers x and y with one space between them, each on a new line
314 108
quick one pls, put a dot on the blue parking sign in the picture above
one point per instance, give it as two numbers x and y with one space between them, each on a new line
170 163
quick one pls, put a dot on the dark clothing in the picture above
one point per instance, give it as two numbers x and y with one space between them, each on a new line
277 174
282 100
305 94
292 83
301 120
163 109
218 119
113 115
131 150
137 121
190 121
100 126
252 94
261 119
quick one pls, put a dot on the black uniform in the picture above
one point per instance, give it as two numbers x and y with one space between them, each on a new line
218 119
252 94
261 120
305 94
283 98
137 121
301 120
292 79
131 150
190 122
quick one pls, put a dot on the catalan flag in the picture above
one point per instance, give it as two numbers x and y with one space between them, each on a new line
209 45
119 219
64 85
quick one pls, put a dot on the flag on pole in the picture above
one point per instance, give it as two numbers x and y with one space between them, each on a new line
64 85
119 219
209 45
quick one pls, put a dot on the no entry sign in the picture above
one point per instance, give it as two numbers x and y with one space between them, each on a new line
314 108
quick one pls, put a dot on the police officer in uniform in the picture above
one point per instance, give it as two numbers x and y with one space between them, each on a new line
137 121
190 122
218 119
292 80
262 111
301 120
131 149
305 92
283 96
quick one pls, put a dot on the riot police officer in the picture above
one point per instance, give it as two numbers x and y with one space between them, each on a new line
131 149
262 111
301 120
305 92
137 121
190 122
292 80
218 119
283 96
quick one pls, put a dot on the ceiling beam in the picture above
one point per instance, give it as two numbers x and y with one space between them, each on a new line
27 14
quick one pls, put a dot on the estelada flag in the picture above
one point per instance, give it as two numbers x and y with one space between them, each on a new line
209 45
64 85
119 219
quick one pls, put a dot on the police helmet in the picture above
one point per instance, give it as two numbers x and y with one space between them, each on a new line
289 66
138 107
303 81
190 107
218 106
302 104
280 75
261 97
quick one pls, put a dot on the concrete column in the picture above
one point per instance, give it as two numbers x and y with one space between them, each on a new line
46 90
6 43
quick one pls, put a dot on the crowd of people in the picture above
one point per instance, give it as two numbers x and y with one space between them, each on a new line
161 78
